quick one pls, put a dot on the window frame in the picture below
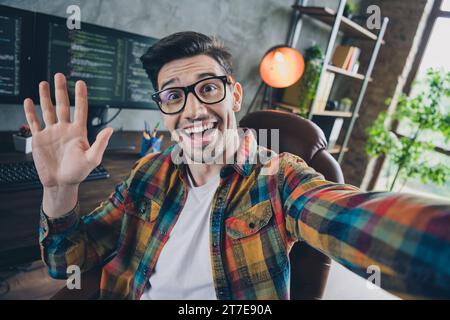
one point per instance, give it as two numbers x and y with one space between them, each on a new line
435 13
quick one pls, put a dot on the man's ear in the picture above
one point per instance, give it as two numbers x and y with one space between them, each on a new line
238 95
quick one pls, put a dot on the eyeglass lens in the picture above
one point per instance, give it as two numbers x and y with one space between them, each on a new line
207 91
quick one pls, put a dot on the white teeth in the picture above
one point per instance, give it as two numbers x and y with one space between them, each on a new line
198 129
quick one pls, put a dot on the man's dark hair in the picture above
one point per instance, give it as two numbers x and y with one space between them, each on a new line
183 45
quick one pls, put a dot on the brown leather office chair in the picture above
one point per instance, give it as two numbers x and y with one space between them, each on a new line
297 136
309 267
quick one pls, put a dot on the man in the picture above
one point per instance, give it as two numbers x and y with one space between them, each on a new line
217 230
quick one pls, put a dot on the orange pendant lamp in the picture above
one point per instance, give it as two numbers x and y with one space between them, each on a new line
281 67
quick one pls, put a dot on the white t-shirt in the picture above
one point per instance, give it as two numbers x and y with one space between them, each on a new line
184 270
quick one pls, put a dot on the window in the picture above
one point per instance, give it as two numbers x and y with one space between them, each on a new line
435 55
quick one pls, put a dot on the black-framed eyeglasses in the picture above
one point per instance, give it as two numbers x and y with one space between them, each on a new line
208 91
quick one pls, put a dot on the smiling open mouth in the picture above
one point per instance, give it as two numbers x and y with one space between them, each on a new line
201 134
200 129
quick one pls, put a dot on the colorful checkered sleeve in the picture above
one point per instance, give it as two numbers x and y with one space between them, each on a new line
405 236
86 241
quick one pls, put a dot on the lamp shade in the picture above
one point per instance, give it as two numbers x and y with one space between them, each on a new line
281 67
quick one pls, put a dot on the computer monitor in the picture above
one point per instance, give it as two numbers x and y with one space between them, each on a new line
16 42
35 46
106 59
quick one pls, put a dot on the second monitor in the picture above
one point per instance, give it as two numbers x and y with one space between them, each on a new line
106 59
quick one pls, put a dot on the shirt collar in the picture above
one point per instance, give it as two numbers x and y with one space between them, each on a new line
246 154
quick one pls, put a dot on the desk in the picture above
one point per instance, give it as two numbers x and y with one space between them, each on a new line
19 211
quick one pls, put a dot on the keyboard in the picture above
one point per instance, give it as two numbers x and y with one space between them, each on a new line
15 176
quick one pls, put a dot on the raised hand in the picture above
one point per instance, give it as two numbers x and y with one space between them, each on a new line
61 151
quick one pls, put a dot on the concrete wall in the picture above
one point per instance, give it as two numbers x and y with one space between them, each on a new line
248 28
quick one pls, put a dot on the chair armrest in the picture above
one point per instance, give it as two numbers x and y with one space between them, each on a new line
309 274
326 164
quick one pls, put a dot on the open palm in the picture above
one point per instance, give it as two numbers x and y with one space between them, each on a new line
61 151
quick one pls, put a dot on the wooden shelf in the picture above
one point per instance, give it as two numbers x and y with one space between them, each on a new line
328 113
289 107
348 27
336 149
346 73
341 114
338 24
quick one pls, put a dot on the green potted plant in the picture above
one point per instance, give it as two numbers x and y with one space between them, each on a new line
350 9
310 79
424 113
345 104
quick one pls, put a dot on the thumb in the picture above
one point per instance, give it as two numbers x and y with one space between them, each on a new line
95 153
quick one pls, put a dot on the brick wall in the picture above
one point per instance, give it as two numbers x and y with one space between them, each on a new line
390 71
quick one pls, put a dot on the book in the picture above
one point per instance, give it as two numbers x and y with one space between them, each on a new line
331 128
323 91
341 56
345 57
335 131
350 56
353 59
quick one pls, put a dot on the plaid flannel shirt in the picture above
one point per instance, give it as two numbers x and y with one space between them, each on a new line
255 220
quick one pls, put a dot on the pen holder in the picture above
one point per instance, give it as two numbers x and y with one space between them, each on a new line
22 144
146 144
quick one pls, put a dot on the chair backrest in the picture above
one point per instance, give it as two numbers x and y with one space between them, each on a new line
299 136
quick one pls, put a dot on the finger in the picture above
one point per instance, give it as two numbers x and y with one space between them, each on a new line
95 152
62 98
30 114
81 103
48 111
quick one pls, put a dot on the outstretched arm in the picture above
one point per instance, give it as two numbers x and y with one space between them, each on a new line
406 236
